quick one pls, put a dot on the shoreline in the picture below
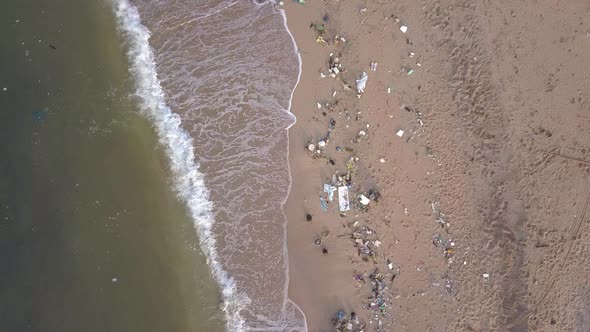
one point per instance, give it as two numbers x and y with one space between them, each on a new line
285 233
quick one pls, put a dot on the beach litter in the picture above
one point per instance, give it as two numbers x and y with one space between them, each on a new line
374 195
342 323
323 204
403 28
373 66
438 216
361 83
331 125
343 201
364 200
319 28
316 147
389 265
330 190
334 65
362 135
446 246
400 133
317 241
40 116
380 300
339 40
366 241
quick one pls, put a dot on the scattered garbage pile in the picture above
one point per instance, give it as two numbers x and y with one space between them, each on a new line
345 188
438 216
379 302
339 185
320 29
363 135
322 35
446 246
380 283
345 323
372 196
316 147
335 68
366 241
351 171
334 65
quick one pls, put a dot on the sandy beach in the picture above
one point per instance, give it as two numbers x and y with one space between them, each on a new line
470 144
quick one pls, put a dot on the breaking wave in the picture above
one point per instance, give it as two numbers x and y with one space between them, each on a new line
188 181
243 305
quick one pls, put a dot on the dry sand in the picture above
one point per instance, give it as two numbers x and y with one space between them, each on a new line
496 135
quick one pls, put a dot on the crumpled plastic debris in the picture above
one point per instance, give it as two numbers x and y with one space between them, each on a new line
374 195
366 242
330 190
361 83
319 28
373 66
334 65
323 204
341 322
364 200
339 40
343 202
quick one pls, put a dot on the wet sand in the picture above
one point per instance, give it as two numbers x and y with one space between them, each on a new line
485 196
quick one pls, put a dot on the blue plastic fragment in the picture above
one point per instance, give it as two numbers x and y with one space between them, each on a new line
324 204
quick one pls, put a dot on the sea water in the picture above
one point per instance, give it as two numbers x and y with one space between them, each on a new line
217 77
93 233
144 166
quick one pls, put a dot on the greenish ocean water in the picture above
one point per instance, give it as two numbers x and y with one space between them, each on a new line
92 238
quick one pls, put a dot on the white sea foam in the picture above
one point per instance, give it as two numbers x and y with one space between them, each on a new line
188 181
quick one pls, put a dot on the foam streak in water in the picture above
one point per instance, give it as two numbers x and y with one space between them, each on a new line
188 181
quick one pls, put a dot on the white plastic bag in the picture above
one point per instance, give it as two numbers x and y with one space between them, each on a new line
361 83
